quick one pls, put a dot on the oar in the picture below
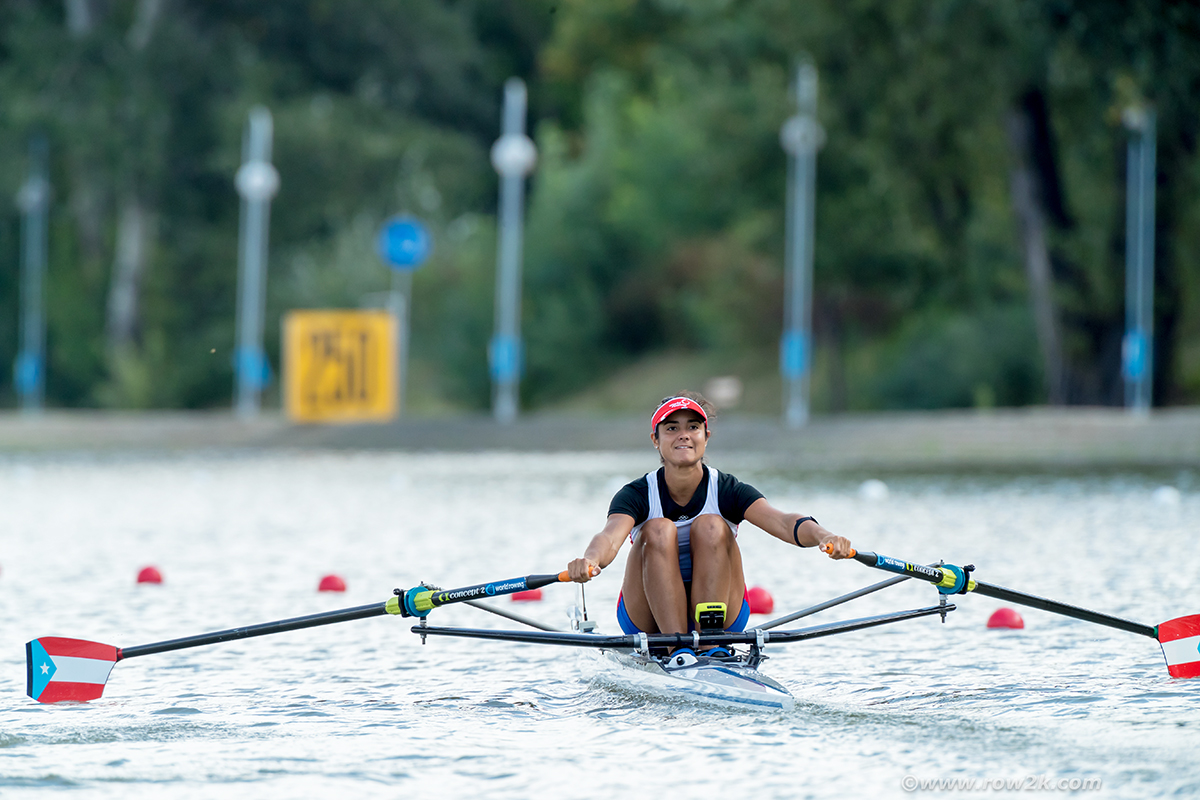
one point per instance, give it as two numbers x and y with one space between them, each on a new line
1179 637
59 670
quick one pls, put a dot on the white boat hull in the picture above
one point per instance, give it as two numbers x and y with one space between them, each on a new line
723 682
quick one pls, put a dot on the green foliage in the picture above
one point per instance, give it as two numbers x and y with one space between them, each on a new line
953 360
914 216
655 219
378 107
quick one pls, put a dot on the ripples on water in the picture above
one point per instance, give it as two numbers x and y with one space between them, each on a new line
363 710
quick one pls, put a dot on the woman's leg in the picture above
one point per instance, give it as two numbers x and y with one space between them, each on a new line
716 566
655 598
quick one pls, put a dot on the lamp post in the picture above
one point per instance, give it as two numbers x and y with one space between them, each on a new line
33 199
513 156
257 182
1137 348
404 243
801 137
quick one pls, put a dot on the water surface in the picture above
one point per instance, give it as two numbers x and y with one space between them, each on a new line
363 709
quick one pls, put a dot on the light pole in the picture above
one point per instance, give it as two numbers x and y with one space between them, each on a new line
801 137
404 244
257 182
1137 348
33 199
513 156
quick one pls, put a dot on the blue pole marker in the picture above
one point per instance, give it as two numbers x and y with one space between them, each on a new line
505 358
27 373
1133 355
793 355
252 367
404 243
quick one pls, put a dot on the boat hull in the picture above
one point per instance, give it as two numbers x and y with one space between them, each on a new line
710 681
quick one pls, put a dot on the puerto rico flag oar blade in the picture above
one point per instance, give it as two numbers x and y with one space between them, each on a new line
62 670
59 670
1180 640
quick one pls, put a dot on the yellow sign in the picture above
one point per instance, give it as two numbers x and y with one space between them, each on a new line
340 366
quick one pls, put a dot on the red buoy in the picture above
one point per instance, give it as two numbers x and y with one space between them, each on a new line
331 583
527 596
761 601
1005 618
149 575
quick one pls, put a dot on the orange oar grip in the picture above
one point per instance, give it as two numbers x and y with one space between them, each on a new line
565 578
827 548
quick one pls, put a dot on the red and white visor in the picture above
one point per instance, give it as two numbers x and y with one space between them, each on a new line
677 404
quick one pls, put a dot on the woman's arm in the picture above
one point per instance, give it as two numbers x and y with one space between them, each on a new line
602 549
783 526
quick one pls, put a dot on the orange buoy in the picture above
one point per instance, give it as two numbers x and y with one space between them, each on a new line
527 596
1005 618
149 575
761 601
331 583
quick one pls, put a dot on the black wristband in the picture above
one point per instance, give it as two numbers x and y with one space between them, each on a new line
796 529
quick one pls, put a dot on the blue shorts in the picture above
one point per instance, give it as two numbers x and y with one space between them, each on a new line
627 625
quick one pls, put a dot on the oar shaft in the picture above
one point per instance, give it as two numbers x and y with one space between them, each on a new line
1065 609
420 600
433 599
511 586
280 626
947 577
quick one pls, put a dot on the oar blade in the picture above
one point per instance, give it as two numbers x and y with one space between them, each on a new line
60 670
1180 642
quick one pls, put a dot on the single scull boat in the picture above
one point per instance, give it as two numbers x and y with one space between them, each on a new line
60 669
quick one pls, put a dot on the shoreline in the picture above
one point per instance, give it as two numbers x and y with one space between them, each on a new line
1037 438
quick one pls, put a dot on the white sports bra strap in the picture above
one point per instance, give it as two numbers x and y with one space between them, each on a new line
712 504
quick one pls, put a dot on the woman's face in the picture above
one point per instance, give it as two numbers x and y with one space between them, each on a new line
681 438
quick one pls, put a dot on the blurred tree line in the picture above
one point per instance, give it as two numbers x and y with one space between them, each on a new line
969 142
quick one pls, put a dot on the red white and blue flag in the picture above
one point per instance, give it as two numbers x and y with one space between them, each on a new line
67 670
1180 640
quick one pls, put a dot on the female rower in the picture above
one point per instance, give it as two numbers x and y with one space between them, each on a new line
682 521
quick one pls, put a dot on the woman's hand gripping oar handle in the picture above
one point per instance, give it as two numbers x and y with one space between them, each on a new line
948 579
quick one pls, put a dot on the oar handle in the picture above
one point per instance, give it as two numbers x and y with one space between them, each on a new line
949 579
828 548
420 600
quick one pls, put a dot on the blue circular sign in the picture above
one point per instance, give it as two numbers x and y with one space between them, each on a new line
404 243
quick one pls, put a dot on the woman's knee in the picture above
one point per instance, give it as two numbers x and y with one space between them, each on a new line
711 530
659 535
